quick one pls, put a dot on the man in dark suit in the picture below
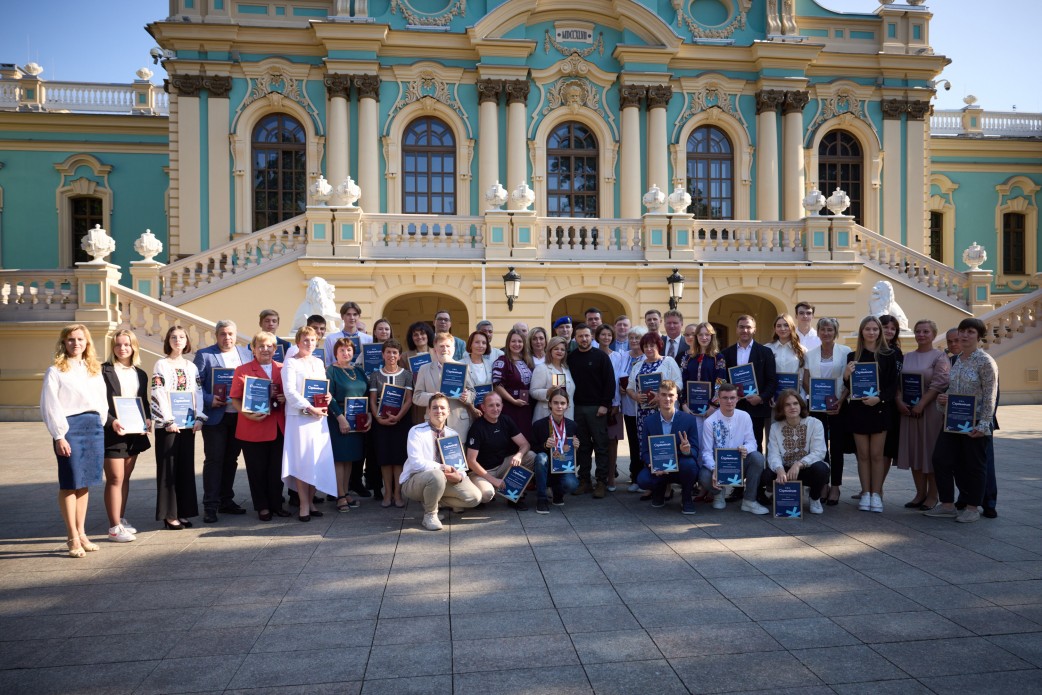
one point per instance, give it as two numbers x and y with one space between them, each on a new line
748 351
684 429
220 448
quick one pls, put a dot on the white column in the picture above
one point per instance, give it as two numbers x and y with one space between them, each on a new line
658 144
629 154
767 103
795 178
218 159
488 134
188 164
339 89
368 142
893 182
915 175
517 142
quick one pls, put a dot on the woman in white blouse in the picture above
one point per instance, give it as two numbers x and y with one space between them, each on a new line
479 365
827 361
789 354
73 406
556 365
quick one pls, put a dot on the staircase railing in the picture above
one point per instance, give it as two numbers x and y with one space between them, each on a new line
919 270
1010 320
151 318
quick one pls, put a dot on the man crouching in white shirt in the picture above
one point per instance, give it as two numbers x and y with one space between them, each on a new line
730 428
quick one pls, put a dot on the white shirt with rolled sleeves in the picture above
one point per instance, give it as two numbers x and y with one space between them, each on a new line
70 393
422 452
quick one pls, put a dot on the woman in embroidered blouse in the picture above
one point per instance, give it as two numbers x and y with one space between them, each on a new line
392 430
827 361
543 379
537 345
123 377
348 442
73 405
796 448
789 354
962 458
512 379
702 362
176 500
623 363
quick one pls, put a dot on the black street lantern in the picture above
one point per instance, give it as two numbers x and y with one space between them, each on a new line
511 287
676 289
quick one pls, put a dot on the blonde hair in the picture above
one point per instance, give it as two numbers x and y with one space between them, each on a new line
554 342
135 357
90 356
304 331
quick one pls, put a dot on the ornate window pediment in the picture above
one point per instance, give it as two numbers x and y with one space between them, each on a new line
428 82
274 81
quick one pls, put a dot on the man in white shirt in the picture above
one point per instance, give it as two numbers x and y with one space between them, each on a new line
730 428
805 326
622 333
674 341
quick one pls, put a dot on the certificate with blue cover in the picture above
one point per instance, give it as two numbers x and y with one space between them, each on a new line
130 413
316 392
911 388
280 353
562 461
864 382
787 380
319 352
356 410
372 357
221 382
417 361
699 395
960 414
256 395
182 407
451 449
730 468
515 482
663 452
822 394
453 378
480 391
648 384
744 377
788 500
392 398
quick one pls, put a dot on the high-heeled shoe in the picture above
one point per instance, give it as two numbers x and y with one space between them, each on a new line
833 501
173 527
88 546
915 504
304 518
75 550
186 523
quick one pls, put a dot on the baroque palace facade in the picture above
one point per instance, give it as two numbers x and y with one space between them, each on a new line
592 147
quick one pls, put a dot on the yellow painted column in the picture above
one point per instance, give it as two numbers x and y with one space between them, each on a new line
893 110
915 175
658 144
488 134
218 127
517 141
368 142
629 154
795 178
339 89
186 88
767 103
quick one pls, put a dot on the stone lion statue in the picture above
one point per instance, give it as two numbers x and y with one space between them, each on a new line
319 299
883 302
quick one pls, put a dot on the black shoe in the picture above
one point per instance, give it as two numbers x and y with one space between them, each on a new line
989 513
378 496
315 512
186 523
319 499
173 527
304 518
558 499
264 516
294 499
209 517
520 505
231 508
542 507
283 513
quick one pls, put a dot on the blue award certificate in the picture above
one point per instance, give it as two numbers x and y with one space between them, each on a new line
788 500
730 469
480 391
821 391
515 482
562 461
451 449
182 407
453 377
787 380
372 357
256 395
744 377
864 382
392 398
356 410
417 361
911 388
663 451
280 353
699 394
319 352
960 415
221 382
648 384
316 392
130 413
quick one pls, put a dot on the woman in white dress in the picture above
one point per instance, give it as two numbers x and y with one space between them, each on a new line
789 355
556 365
307 455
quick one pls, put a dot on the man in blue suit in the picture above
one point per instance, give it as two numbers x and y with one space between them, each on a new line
684 429
220 448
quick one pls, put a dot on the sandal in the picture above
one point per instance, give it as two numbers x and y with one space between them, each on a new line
88 546
75 550
345 507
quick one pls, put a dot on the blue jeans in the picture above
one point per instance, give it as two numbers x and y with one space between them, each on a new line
560 483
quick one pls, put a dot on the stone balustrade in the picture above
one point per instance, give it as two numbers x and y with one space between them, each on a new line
43 295
151 318
84 97
913 268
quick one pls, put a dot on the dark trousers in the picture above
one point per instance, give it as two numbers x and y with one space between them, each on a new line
961 460
264 471
592 431
813 476
991 485
220 459
834 438
371 468
175 475
631 440
690 473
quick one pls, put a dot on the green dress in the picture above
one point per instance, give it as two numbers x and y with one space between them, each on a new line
345 383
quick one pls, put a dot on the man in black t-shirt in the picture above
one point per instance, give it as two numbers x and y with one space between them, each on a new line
494 445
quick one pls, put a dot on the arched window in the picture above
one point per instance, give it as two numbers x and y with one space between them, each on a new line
1014 245
710 174
840 165
571 171
429 168
279 170
84 212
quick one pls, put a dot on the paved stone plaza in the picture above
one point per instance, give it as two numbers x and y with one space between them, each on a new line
604 596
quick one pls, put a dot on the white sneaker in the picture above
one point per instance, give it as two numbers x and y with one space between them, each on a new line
876 503
719 501
815 507
633 488
968 516
126 526
119 534
431 522
754 507
866 502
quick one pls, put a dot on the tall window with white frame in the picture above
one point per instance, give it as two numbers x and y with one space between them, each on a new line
1014 244
710 174
841 165
85 212
429 168
279 170
937 235
572 179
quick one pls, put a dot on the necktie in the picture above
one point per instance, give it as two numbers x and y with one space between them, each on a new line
672 351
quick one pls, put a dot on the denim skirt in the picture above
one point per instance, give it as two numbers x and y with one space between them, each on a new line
83 467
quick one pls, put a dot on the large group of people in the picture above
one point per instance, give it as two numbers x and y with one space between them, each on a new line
353 415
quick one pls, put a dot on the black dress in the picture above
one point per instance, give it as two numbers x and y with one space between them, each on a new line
864 419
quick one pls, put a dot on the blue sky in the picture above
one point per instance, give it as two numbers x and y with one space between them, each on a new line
992 44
